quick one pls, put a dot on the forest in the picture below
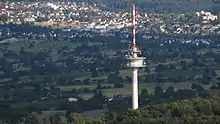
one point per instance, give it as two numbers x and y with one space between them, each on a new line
200 110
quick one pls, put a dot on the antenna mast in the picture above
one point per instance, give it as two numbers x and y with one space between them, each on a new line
134 25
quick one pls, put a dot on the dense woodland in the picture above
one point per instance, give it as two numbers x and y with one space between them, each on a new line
200 110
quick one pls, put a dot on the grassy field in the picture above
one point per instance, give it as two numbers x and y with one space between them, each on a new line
217 72
69 88
56 24
52 112
128 88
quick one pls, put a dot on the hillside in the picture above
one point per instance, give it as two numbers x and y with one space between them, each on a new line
158 6
39 75
162 6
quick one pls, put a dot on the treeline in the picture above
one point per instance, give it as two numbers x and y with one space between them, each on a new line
199 110
204 110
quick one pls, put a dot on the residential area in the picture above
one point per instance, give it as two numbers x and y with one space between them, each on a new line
81 15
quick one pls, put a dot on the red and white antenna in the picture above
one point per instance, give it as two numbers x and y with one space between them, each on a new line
134 25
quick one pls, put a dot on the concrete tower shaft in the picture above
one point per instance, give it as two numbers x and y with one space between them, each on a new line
135 89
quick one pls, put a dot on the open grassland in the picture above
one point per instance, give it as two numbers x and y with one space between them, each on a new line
56 24
69 88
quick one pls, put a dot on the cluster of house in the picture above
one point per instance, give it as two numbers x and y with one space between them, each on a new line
82 15
207 16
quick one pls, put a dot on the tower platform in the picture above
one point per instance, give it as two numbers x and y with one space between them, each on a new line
136 62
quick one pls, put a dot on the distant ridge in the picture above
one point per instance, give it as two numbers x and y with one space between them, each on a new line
154 6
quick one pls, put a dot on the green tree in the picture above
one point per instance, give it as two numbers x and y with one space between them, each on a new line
158 91
62 120
144 94
4 18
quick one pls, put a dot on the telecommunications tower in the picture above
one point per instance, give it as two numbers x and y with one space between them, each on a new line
135 61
